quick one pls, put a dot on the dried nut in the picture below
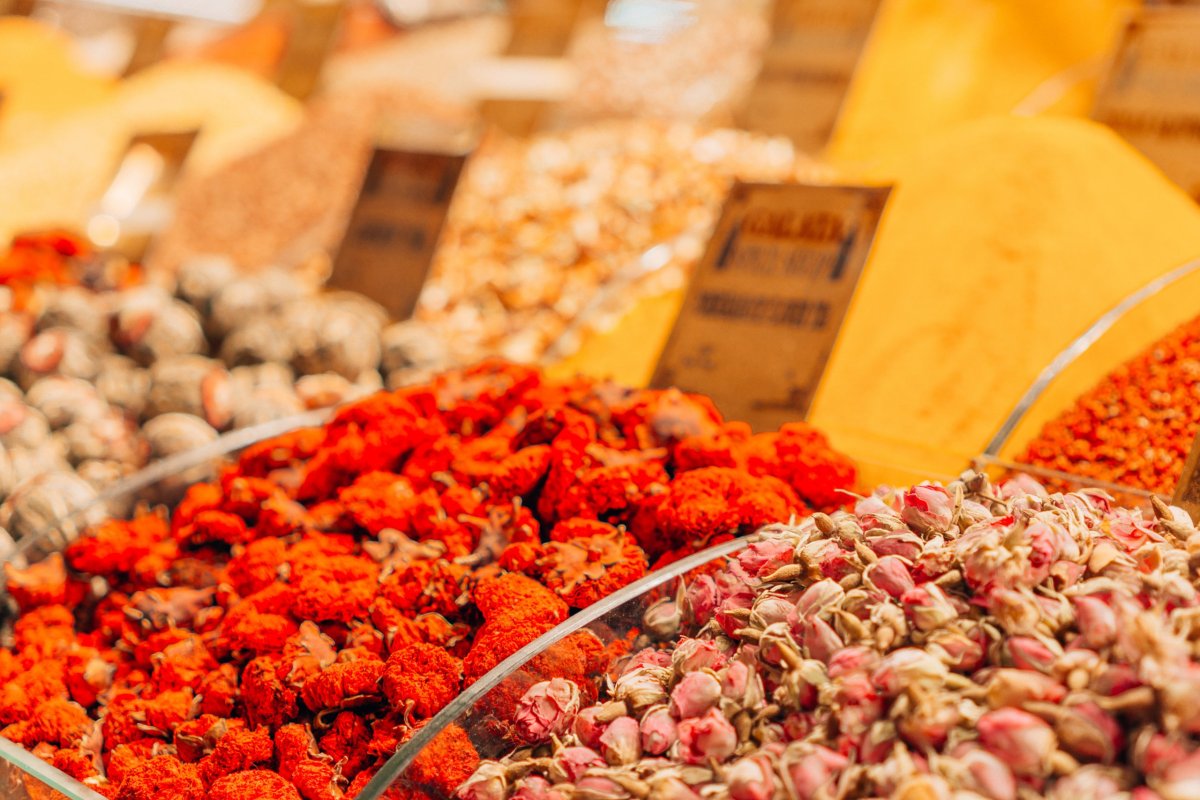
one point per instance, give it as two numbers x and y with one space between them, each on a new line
264 404
108 437
150 325
173 433
122 383
332 337
77 309
50 500
64 401
411 345
22 425
259 340
324 390
60 351
201 278
191 385
15 330
248 378
256 297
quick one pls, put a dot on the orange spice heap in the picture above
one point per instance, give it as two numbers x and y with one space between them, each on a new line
1136 426
295 620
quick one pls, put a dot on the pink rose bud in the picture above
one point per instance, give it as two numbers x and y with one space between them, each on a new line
647 658
986 775
548 708
905 544
751 779
1144 793
819 639
1089 782
770 609
588 728
487 783
1180 781
621 741
815 770
569 764
670 789
710 736
853 659
642 687
818 598
890 574
1152 754
662 620
928 508
905 666
1016 687
695 694
766 556
927 726
533 787
1089 734
598 788
958 652
695 654
735 680
859 706
702 598
1028 653
927 607
1019 739
659 731
731 623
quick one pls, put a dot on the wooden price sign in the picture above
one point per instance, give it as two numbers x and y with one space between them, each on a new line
815 46
765 305
1187 493
394 228
1151 95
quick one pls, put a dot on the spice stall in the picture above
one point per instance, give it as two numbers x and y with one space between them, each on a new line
262 536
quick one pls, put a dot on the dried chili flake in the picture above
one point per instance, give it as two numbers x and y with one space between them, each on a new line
291 620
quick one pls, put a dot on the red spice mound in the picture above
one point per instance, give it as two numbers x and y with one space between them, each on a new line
64 259
1136 426
295 620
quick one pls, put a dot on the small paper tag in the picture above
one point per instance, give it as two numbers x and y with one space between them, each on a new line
764 307
815 47
393 231
1151 95
1187 493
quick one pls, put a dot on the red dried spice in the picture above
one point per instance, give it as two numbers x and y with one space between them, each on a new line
1136 426
292 622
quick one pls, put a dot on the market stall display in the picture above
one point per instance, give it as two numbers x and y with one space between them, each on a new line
292 620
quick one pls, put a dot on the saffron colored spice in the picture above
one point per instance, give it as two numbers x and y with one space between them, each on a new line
295 620
1136 426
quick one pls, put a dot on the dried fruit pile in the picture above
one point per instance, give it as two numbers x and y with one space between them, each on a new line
954 642
290 622
1136 426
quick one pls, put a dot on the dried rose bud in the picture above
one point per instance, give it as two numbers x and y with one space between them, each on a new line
853 659
695 694
1089 782
928 724
709 736
728 616
985 774
735 680
901 668
57 351
958 652
662 620
1087 732
659 731
702 598
1028 653
928 508
570 763
905 544
819 639
1016 687
535 787
812 767
659 659
691 655
642 687
927 607
488 783
772 609
889 574
598 788
621 741
547 709
666 787
1018 738
1180 780
858 705
764 557
751 779
818 598
588 728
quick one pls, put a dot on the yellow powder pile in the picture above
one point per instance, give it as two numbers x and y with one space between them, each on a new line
1003 241
931 64
56 177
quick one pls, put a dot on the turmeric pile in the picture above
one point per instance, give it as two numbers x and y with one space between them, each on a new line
292 622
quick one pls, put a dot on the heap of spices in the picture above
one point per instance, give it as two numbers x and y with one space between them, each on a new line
1136 426
291 622
965 641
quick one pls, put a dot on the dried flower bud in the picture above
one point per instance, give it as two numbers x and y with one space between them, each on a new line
599 788
764 557
1019 739
853 659
148 325
535 787
889 574
707 737
751 779
547 709
333 337
488 783
109 437
927 607
258 340
819 639
983 773
818 598
670 788
928 508
263 404
642 687
905 667
695 694
1027 653
1016 687
570 763
176 433
122 383
662 620
588 727
659 731
811 767
1097 622
199 279
49 499
691 655
1179 780
771 609
621 741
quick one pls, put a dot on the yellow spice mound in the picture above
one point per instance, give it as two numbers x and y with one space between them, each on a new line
931 64
1003 241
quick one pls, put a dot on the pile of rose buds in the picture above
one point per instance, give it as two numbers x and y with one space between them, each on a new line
968 641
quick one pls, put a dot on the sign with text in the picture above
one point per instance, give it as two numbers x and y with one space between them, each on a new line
394 228
1151 95
814 48
764 307
1187 494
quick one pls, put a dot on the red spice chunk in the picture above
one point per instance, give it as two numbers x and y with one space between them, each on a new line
1136 426
294 621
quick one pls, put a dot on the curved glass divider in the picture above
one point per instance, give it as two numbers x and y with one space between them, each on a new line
479 712
1054 480
1117 336
160 482
24 776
